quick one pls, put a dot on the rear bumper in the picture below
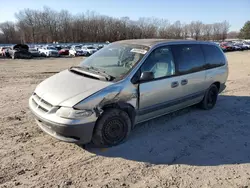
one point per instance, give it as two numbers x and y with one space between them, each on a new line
72 132
222 87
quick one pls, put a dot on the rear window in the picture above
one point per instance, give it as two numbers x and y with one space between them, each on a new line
214 57
189 58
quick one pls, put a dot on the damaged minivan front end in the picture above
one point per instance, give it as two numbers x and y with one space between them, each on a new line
76 123
68 105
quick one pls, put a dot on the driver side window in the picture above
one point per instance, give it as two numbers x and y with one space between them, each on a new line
160 62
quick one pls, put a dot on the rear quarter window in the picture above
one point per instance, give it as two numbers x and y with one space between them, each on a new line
214 57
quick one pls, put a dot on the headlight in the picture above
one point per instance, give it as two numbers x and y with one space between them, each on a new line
71 113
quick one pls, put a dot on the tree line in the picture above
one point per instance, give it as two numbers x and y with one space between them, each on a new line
48 25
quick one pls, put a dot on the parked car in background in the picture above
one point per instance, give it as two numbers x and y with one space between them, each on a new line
34 52
4 51
226 46
247 44
64 51
77 51
100 46
103 98
58 47
48 51
20 51
89 50
243 46
236 47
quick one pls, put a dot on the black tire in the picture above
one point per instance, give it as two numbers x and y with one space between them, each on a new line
112 128
210 98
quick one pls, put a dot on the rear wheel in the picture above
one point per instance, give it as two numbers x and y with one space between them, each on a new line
112 128
210 98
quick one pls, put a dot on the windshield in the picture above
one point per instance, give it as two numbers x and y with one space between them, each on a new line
90 47
116 59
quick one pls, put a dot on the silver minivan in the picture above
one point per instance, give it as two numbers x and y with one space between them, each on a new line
126 83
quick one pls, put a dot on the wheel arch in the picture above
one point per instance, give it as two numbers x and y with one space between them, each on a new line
217 84
126 107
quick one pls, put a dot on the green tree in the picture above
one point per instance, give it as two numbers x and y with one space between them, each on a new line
245 31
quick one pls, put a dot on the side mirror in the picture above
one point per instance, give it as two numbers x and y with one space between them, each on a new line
146 76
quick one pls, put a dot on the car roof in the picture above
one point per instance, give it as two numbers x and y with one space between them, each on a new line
153 42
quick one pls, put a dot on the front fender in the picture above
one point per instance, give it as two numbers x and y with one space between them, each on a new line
113 94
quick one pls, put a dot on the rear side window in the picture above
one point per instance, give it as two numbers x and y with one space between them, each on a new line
213 56
189 58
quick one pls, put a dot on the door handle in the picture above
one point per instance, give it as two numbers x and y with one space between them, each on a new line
184 82
174 84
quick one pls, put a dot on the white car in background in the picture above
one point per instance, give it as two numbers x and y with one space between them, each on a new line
89 50
77 51
48 51
247 44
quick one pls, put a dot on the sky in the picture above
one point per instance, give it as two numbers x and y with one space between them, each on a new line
236 12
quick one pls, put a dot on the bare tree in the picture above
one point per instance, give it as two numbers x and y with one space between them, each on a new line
197 29
184 31
207 31
225 28
9 32
233 35
28 22
48 25
216 31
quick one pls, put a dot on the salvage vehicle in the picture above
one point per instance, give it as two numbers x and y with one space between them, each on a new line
77 51
64 51
48 51
89 50
243 46
247 44
34 52
20 51
4 51
103 98
236 47
227 47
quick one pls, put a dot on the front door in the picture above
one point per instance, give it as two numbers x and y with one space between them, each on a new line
161 94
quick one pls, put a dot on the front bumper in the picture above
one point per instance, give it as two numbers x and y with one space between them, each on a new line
72 132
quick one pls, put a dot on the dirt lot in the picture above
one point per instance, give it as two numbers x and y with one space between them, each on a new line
190 148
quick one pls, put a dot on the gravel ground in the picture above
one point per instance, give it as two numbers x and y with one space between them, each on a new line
189 148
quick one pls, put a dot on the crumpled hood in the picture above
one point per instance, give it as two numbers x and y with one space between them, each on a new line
67 88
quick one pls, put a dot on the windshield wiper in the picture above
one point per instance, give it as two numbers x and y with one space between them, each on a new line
100 71
79 67
95 70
